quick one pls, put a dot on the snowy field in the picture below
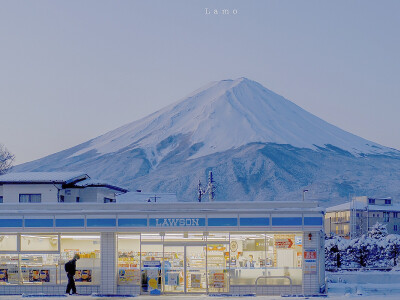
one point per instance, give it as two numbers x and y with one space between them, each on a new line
371 285
331 297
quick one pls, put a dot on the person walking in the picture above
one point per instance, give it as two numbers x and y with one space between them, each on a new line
70 268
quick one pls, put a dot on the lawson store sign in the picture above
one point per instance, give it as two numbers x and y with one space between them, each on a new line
177 222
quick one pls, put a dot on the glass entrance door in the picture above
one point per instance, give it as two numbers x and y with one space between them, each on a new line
184 269
174 269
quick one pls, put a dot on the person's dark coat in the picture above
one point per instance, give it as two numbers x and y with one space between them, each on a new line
70 275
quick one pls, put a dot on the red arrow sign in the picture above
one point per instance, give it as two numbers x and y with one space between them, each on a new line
283 243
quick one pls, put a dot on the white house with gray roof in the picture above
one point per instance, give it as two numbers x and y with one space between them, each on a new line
50 187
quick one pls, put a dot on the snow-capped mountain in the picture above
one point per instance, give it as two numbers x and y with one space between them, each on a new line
239 129
226 115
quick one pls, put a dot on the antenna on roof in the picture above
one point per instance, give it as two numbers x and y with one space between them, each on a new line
155 197
210 189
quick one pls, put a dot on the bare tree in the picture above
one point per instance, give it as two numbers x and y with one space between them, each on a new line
6 160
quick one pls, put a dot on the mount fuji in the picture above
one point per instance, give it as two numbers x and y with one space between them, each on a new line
259 145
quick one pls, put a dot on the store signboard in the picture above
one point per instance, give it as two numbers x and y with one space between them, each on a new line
310 262
283 243
177 222
298 240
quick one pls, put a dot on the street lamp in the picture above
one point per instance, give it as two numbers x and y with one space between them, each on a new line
304 193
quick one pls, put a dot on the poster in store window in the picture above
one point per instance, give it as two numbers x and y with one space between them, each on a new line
83 275
39 275
129 276
173 279
196 280
219 280
3 275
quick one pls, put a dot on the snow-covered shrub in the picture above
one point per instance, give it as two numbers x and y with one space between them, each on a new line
335 250
391 244
376 249
378 231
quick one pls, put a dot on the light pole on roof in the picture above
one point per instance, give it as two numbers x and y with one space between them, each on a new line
304 194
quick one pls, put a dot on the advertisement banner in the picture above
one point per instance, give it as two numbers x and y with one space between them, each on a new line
3 275
310 262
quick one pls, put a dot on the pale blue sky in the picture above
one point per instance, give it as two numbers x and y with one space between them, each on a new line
72 70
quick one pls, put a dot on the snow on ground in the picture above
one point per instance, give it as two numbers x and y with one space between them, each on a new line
371 285
330 297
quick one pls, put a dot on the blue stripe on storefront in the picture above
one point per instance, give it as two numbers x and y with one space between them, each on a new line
222 221
254 221
295 221
132 222
312 221
70 222
10 223
39 223
101 222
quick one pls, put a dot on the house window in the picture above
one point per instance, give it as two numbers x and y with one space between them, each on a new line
61 198
358 215
1 199
388 201
395 215
395 227
108 200
386 216
371 201
78 199
30 198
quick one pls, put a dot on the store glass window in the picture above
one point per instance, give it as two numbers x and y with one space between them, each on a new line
88 266
217 261
248 257
9 271
39 242
151 262
8 242
129 259
39 268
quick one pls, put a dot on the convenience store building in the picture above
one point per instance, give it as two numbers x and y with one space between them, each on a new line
155 248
